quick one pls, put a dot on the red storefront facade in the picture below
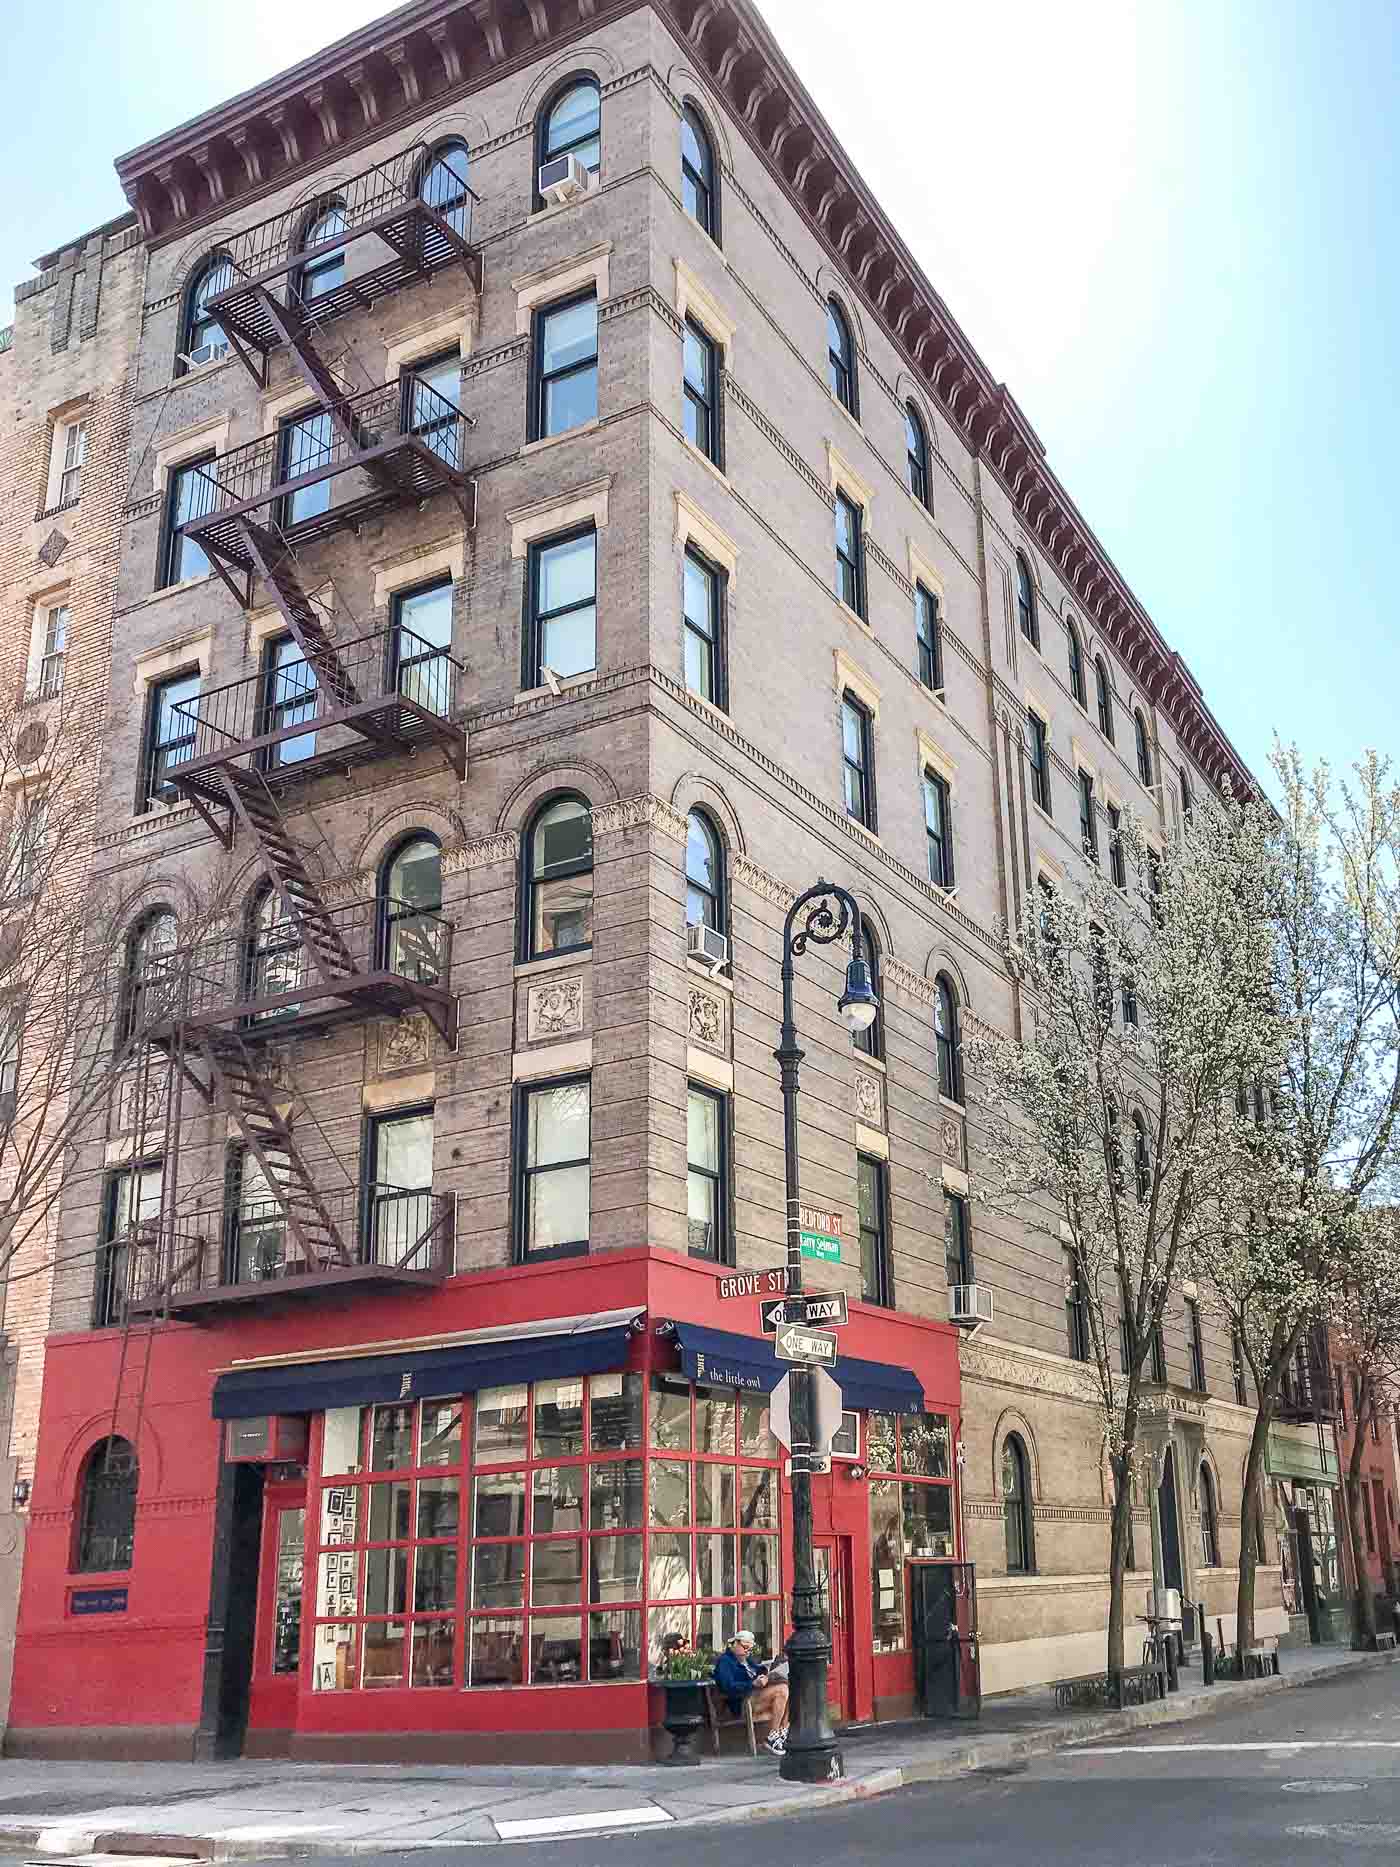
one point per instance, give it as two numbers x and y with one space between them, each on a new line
461 1563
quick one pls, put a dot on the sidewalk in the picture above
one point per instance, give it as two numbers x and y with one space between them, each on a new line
253 1810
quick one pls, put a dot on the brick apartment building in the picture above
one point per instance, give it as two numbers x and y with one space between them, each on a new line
64 437
562 524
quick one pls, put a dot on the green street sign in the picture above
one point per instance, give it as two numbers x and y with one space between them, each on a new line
820 1233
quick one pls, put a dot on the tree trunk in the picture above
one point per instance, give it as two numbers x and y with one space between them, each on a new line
1251 1507
1363 1603
1118 1569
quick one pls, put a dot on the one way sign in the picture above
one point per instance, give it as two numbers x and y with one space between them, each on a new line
827 1312
796 1343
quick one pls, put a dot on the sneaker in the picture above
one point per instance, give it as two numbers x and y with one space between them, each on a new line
777 1743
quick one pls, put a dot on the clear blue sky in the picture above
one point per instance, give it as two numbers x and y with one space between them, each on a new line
1170 227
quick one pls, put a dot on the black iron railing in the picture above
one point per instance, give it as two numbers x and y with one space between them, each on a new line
365 201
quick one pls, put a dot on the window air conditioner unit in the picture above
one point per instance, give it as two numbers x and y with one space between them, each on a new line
969 1304
561 179
205 353
707 946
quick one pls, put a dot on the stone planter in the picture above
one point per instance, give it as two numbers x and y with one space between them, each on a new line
684 1717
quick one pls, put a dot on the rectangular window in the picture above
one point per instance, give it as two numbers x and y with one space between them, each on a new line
1117 864
703 603
53 649
928 631
562 592
305 446
1159 1355
1128 992
706 1202
190 495
399 1212
857 755
566 367
133 1200
1040 760
938 827
169 737
875 1281
552 1186
702 428
423 669
1088 824
70 445
850 555
432 405
289 699
957 1240
1237 1371
1076 1309
1198 1347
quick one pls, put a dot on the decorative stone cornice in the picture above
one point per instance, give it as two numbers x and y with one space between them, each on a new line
499 848
762 883
896 976
639 813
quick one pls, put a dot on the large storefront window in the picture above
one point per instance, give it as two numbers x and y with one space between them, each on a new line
911 1511
543 1535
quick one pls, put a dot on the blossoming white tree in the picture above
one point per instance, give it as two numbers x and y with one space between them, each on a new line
1108 1121
1367 1333
1327 1137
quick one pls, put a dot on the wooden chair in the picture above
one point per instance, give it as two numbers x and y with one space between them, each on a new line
720 1717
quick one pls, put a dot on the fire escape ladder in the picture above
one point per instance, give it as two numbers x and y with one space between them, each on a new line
234 1074
274 564
255 807
297 332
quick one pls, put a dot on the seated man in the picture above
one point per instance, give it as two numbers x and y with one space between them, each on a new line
739 1677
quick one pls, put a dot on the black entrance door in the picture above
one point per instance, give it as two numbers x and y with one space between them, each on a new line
1171 1532
1307 1574
947 1674
233 1609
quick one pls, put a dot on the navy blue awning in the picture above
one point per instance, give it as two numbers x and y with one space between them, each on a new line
720 1358
483 1358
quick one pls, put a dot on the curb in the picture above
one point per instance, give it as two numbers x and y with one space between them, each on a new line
59 1841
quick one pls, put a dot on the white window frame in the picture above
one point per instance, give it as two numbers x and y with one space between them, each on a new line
65 459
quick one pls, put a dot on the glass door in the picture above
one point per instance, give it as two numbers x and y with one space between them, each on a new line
278 1644
831 1559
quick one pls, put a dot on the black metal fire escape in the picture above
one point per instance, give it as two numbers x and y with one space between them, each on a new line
350 700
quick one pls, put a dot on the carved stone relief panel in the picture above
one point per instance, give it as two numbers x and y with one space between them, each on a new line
707 1020
954 1140
405 1043
869 1099
554 1007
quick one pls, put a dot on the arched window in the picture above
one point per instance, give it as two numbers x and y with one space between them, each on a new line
571 124
1142 1159
698 188
444 185
1104 695
107 1507
872 1039
1210 1519
202 329
412 933
1026 615
1076 667
1144 747
840 357
559 879
916 448
324 271
704 873
1016 1505
276 959
948 1040
148 948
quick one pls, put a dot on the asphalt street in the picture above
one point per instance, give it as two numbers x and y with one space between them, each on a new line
1305 1777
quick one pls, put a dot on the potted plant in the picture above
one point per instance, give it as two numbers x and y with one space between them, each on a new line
683 1673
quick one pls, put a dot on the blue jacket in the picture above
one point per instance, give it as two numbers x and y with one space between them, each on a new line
736 1678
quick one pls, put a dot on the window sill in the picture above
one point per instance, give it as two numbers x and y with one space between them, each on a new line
919 505
167 590
870 835
697 971
854 615
595 186
52 512
552 962
161 813
867 1062
1041 811
709 465
710 706
836 402
956 1108
547 693
553 440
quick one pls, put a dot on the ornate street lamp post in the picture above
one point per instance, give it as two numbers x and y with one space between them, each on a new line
823 915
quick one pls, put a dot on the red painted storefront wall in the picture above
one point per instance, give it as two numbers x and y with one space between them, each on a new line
131 1683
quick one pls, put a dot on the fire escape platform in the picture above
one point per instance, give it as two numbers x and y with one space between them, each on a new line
272 1295
386 201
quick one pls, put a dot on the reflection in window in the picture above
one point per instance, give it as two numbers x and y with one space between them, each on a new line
554 1187
563 624
560 879
566 366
